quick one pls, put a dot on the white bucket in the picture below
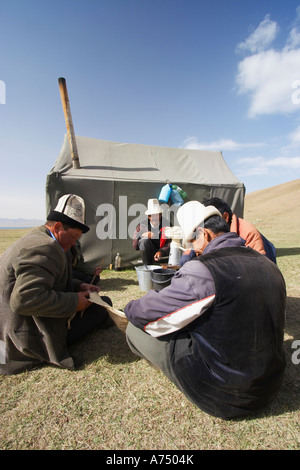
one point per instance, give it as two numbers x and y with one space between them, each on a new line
144 276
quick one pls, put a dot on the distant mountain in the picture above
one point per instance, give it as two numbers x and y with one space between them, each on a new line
14 223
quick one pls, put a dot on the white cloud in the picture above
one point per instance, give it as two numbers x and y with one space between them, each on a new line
269 76
261 38
263 166
251 167
222 144
293 39
290 163
295 136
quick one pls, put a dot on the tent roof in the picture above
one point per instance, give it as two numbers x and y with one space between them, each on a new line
101 159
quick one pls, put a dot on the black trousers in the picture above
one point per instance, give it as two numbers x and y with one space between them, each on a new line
93 317
148 247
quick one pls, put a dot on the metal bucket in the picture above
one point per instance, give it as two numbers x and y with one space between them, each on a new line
161 278
144 276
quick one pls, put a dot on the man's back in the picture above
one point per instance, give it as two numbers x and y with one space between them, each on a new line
248 232
230 361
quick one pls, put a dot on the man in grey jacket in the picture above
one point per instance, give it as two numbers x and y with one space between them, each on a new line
217 330
38 294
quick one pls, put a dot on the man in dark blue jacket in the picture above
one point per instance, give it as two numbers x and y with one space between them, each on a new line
217 330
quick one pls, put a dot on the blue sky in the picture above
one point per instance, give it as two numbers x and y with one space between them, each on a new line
216 74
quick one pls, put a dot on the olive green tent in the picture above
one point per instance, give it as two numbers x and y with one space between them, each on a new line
117 179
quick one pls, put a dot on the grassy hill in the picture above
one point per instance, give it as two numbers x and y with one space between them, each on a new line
276 212
115 401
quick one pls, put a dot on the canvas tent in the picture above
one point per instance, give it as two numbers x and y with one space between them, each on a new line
114 178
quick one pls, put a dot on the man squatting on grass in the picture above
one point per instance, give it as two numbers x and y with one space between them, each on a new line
38 294
217 331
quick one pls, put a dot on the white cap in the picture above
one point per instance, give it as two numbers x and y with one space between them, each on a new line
70 210
191 214
153 207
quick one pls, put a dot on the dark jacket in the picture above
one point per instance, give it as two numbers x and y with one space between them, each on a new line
36 299
160 312
224 316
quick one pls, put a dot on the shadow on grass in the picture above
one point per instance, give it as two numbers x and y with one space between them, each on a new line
292 325
287 251
288 398
110 343
117 284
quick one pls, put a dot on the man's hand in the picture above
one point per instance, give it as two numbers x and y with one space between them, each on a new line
157 255
98 270
148 235
83 294
83 301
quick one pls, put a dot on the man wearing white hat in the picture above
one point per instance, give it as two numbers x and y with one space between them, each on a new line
217 330
149 235
38 294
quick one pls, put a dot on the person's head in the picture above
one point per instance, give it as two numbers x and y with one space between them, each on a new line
212 228
154 212
67 220
155 219
65 235
200 224
222 207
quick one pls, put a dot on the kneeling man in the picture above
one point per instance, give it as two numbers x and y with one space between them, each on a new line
217 331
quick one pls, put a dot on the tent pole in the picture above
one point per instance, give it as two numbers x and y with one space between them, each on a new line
69 123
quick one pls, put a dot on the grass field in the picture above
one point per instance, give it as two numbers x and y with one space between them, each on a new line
114 401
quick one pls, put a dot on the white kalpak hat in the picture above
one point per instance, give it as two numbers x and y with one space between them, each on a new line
70 210
153 207
193 213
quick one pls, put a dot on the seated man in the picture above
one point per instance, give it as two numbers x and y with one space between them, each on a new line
244 229
38 295
149 235
78 270
217 331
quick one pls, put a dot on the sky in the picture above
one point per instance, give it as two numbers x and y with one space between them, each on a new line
202 74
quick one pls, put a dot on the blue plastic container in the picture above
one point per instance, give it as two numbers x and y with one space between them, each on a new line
165 193
176 198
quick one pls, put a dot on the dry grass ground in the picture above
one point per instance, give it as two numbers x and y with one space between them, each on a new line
115 401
